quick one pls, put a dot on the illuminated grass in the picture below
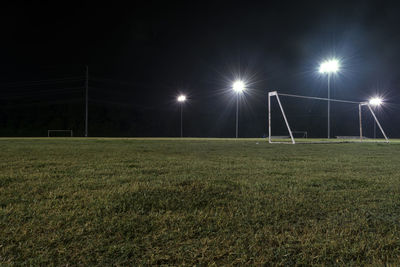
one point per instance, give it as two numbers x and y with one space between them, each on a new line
197 201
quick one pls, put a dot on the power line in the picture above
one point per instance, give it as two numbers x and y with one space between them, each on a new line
41 82
41 94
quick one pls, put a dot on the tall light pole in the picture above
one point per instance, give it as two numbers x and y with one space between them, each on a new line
376 102
329 67
181 99
86 101
238 87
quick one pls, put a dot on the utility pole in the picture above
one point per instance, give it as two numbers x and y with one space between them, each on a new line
86 101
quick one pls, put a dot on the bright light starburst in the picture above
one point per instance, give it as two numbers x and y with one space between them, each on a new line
238 86
329 66
376 101
181 98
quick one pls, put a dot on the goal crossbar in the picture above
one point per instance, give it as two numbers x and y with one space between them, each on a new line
320 98
360 105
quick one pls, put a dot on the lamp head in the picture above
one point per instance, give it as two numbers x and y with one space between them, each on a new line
238 86
329 66
376 101
181 98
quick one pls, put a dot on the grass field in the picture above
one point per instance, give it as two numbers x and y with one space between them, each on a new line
197 201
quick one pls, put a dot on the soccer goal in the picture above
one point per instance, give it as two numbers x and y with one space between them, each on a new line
295 118
60 133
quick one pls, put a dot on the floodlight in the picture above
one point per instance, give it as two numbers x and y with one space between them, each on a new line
181 98
376 101
329 66
238 86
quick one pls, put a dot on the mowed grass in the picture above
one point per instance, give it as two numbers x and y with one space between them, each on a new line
197 201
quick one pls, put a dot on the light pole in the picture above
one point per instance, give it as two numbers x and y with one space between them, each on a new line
376 102
329 67
238 87
181 99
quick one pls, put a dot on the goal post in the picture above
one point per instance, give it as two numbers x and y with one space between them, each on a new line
275 93
66 133
290 138
375 119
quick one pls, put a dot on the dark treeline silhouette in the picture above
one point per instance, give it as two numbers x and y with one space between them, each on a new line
103 121
115 120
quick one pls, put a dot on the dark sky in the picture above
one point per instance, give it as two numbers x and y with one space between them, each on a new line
144 53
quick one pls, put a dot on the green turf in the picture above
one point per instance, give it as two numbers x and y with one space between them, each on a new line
197 201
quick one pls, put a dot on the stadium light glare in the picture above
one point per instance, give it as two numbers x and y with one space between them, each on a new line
181 98
329 66
238 86
376 101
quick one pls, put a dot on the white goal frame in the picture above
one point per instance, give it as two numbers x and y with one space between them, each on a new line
49 131
360 105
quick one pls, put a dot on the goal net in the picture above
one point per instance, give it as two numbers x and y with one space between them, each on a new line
60 133
304 119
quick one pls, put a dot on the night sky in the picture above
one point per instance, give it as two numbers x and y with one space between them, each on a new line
142 55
